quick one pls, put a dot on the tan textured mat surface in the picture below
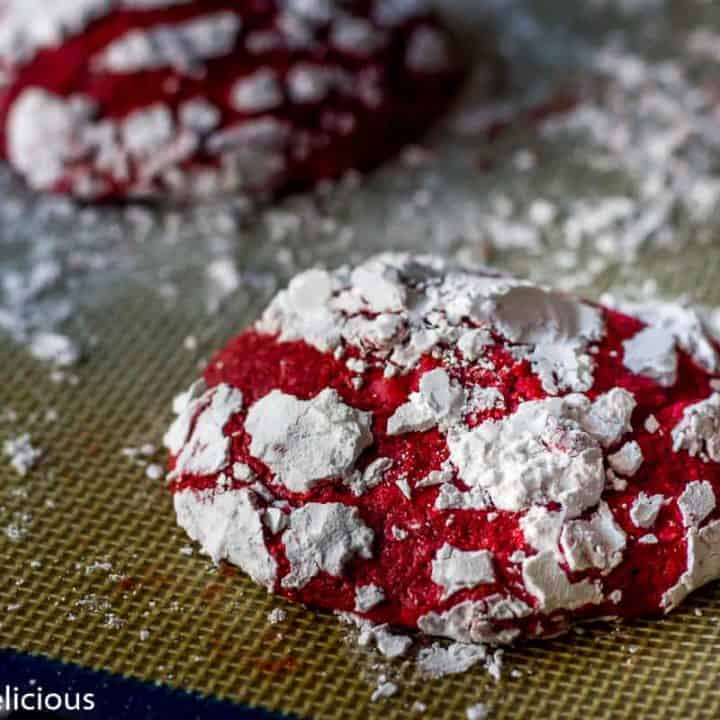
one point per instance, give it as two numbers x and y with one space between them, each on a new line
94 569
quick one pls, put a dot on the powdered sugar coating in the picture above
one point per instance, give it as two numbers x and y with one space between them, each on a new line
324 97
228 526
307 442
420 506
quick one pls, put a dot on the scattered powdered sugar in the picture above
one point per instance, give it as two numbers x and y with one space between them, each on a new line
385 689
54 348
474 621
21 453
478 711
389 644
440 660
277 615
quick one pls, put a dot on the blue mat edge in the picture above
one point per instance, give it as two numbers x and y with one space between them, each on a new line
117 697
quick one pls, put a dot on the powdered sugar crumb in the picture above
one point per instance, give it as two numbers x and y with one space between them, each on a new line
277 615
478 711
21 453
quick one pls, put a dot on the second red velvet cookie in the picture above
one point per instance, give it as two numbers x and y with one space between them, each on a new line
146 98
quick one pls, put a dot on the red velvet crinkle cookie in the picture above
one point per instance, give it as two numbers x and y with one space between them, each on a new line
115 98
457 451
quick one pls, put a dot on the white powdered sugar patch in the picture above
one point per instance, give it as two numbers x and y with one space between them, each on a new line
257 92
478 711
439 400
21 453
547 451
439 660
385 689
389 644
685 323
608 418
357 36
277 615
472 343
645 509
370 477
228 526
546 580
556 330
275 520
147 130
182 46
367 597
651 352
322 537
57 349
41 130
651 424
627 460
698 433
29 25
427 51
475 621
185 405
455 569
205 449
696 502
703 563
306 441
542 527
223 280
308 83
199 115
594 543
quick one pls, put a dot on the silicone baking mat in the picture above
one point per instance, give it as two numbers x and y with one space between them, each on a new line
94 570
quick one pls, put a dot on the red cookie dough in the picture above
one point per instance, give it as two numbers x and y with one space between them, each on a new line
457 452
108 99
